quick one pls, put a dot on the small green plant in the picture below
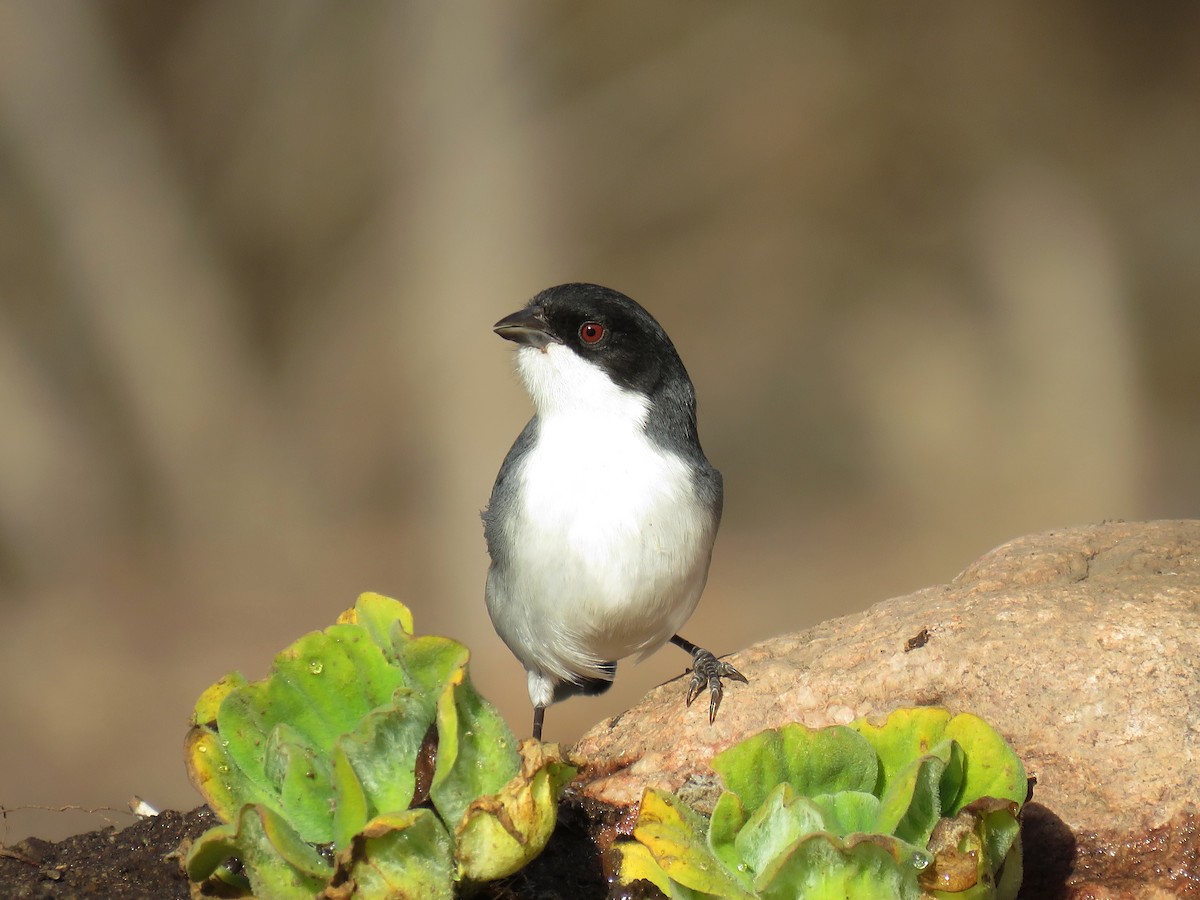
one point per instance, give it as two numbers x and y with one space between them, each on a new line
923 806
365 765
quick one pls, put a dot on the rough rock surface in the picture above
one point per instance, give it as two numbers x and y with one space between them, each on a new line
1081 646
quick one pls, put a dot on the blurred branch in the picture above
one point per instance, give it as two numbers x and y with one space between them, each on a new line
52 491
153 294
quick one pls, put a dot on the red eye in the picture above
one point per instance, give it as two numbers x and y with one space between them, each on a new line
591 332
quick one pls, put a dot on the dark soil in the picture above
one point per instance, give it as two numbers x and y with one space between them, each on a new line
141 861
130 864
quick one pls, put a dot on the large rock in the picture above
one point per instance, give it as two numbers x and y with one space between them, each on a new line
1081 646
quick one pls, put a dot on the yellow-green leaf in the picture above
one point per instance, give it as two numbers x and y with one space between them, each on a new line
398 856
223 784
812 760
205 712
350 812
637 864
675 837
501 833
383 617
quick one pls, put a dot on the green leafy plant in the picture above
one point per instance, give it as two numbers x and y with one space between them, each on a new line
923 806
365 764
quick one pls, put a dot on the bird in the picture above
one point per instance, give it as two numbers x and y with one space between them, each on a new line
602 518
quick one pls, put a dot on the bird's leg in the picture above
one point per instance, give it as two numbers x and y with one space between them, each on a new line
539 715
708 671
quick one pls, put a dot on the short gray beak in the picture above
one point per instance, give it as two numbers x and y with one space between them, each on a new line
527 326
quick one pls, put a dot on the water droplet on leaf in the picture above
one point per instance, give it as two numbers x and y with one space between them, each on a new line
316 666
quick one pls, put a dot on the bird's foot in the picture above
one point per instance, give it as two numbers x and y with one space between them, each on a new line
708 671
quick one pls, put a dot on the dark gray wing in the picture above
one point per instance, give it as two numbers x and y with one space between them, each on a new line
503 501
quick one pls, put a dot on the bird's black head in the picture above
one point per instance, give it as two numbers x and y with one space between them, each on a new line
607 329
603 328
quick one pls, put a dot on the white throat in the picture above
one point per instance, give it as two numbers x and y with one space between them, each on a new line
563 383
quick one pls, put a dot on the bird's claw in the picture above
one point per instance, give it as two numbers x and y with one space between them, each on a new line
707 671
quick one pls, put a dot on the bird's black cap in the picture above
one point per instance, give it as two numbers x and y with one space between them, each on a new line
629 344
615 333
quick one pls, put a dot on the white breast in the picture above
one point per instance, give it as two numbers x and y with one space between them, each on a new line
611 544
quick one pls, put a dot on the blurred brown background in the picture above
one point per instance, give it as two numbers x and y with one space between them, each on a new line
934 269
